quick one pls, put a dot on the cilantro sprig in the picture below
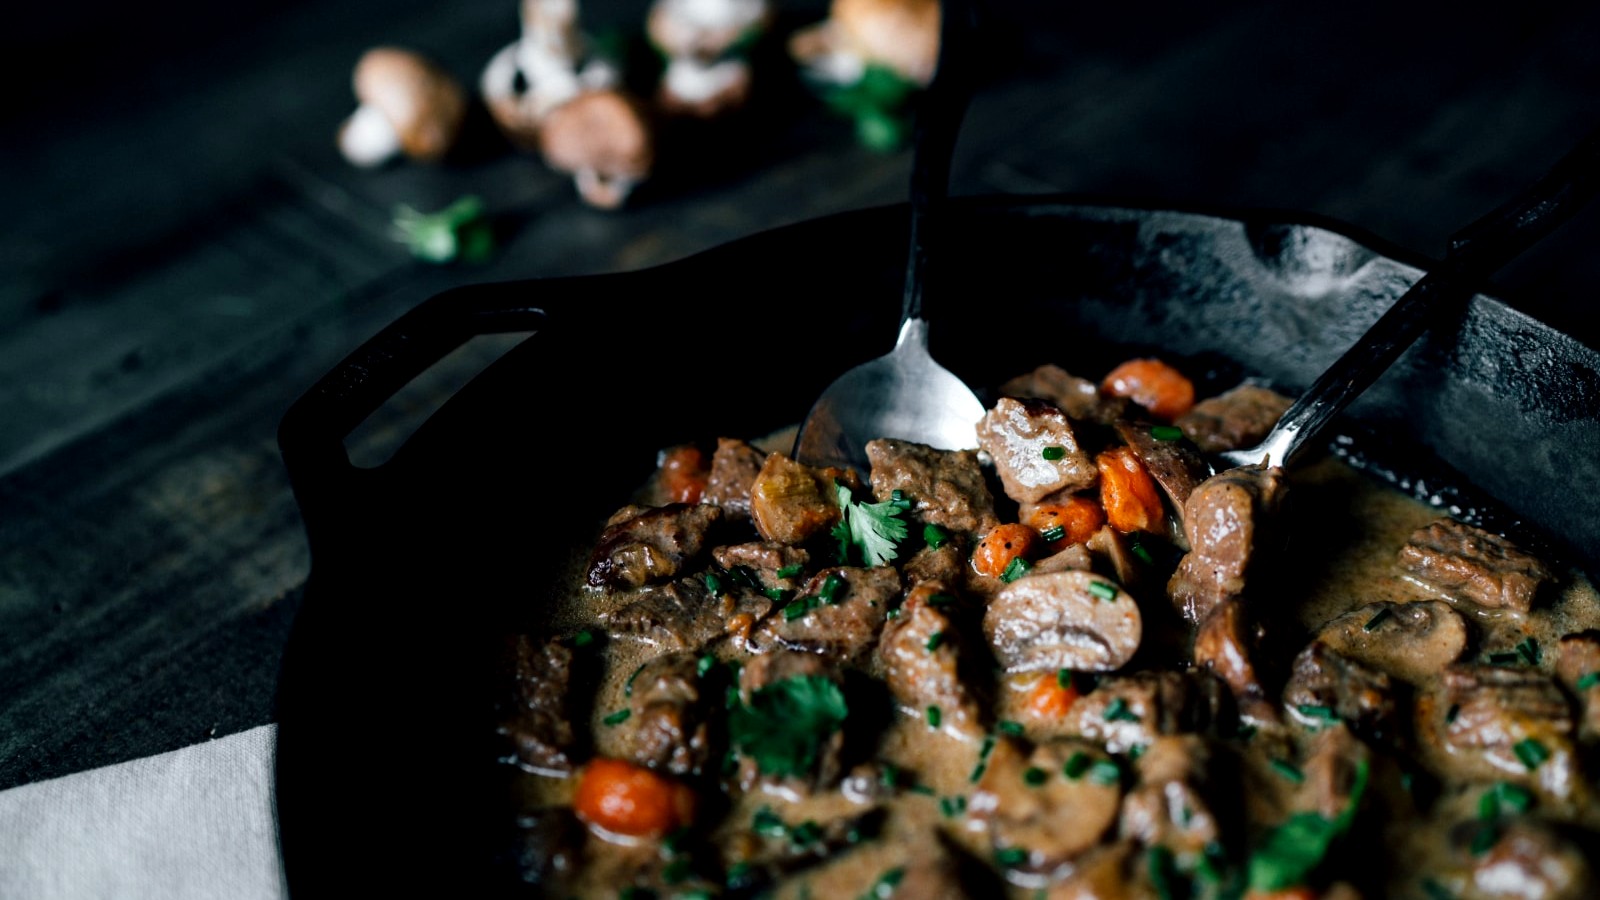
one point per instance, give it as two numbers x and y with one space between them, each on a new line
786 722
873 530
1294 849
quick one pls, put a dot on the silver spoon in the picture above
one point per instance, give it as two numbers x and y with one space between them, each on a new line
1473 254
905 394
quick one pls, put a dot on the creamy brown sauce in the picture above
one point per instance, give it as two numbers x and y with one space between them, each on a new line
1347 560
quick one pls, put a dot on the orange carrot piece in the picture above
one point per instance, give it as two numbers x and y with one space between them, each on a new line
629 800
1001 546
1049 698
683 473
1131 499
1295 893
1152 384
1079 518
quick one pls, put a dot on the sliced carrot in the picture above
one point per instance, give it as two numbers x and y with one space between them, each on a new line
1003 545
1131 499
1078 517
1050 699
629 800
1152 384
1294 893
683 473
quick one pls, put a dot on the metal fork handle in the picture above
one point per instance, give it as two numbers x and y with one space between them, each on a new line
1474 252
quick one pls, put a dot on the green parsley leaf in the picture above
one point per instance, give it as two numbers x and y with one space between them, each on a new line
1589 680
871 528
1011 727
460 231
786 722
1292 850
1287 770
1105 773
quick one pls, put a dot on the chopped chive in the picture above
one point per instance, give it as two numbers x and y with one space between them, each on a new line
677 870
934 717
1528 649
1053 452
738 874
1484 838
1034 776
791 571
1139 550
934 640
1136 751
1287 770
1053 533
807 832
977 773
768 824
934 536
890 777
829 592
952 806
795 610
885 885
1103 590
1504 795
1105 773
706 664
1436 891
1245 731
1503 659
1530 752
1064 678
1312 711
1018 568
1588 681
777 595
1118 711
627 686
1166 432
1378 618
1011 857
1451 713
713 583
892 614
987 748
1076 765
618 717
730 697
1008 726
923 789
939 601
583 638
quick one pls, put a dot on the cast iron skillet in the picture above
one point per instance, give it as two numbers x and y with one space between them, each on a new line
386 772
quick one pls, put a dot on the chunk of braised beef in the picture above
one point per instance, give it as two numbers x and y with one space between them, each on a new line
1079 398
1239 417
652 546
790 501
1175 465
734 467
1225 645
536 717
838 614
1169 806
920 656
1531 859
1578 667
1127 711
946 487
775 848
1325 686
1063 620
766 559
1465 563
1034 450
685 615
1332 771
1043 809
1511 723
1226 519
768 669
666 727
1410 641
945 564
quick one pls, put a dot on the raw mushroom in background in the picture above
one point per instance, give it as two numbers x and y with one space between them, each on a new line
868 59
604 140
408 105
544 68
706 72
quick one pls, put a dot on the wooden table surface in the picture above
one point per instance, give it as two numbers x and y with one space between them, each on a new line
185 253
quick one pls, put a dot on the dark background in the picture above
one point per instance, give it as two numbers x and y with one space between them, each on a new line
184 253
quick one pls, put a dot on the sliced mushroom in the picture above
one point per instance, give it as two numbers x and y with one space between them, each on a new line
1326 686
1063 620
920 654
1224 520
1410 641
1578 667
1042 810
1034 450
408 104
604 140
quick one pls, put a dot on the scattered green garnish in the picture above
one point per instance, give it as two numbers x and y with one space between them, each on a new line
786 722
1118 711
952 806
1139 550
1136 751
1436 891
1378 618
934 640
940 601
1323 713
1162 869
1018 568
1589 681
583 638
617 718
460 231
977 773
1053 452
1506 658
1166 432
1064 678
934 536
706 664
1103 590
1528 649
1530 752
807 832
934 717
1484 837
677 870
1292 850
1011 727
795 610
1105 773
776 595
1451 713
1287 770
627 686
829 592
872 529
1034 776
790 571
713 583
1076 765
885 885
1504 796
1010 857
1053 533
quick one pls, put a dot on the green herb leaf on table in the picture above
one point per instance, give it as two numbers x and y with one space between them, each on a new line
460 231
873 529
786 722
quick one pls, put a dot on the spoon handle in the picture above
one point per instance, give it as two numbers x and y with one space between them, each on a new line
938 121
1474 252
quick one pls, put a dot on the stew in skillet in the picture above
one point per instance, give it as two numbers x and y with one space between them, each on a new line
1072 665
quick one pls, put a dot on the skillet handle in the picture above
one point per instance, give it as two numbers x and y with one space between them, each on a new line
312 432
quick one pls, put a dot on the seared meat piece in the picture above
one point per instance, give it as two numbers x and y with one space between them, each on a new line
651 547
665 729
946 565
1578 667
1175 465
1074 558
1042 810
1109 872
1221 521
1126 711
766 559
838 614
537 717
1168 807
1063 620
790 501
1410 641
684 615
1325 685
1331 771
1079 398
1034 450
1223 646
734 468
548 844
919 654
938 878
1531 861
1498 722
947 487
1237 418
1463 563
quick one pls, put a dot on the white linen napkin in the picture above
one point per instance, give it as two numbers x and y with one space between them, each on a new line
193 823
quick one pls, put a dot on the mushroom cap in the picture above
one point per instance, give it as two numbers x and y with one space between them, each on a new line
902 35
603 131
424 103
704 29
